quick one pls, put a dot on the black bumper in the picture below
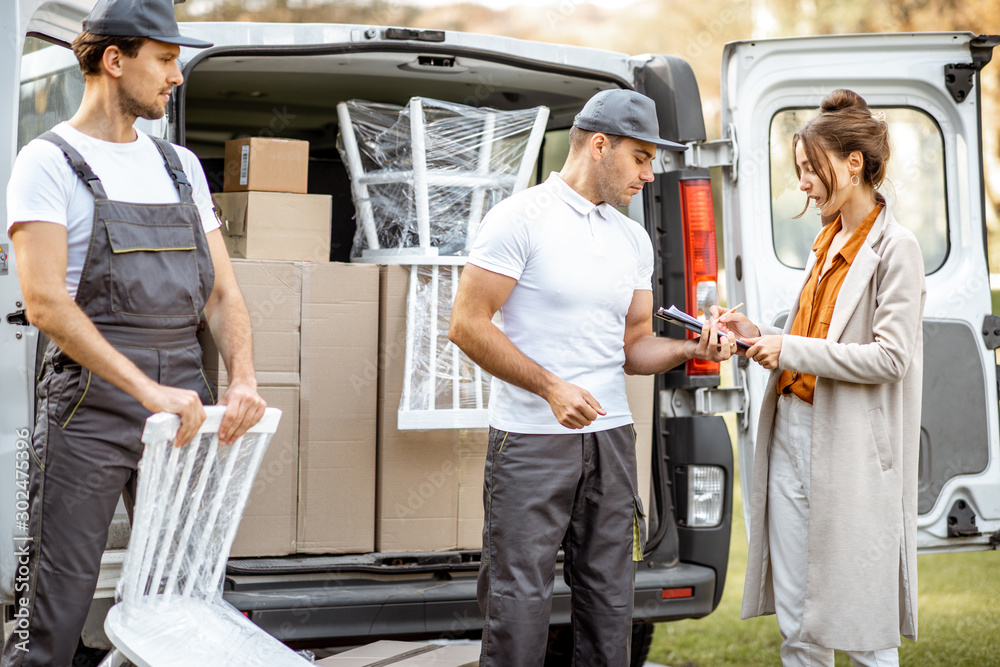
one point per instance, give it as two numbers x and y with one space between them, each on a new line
340 607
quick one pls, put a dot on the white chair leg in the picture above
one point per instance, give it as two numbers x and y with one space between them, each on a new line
482 169
421 197
531 150
357 170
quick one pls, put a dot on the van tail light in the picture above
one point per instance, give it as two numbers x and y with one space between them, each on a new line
701 270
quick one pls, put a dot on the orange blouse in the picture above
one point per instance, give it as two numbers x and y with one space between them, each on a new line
819 296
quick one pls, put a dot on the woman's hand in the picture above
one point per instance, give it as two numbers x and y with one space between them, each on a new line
765 350
737 323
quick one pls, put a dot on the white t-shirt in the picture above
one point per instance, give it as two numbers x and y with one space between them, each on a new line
577 267
44 188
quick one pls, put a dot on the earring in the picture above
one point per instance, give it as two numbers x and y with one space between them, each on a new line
855 180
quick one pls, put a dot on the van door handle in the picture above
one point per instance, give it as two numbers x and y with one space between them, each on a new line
19 318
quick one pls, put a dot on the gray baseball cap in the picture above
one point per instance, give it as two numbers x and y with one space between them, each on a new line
139 18
625 113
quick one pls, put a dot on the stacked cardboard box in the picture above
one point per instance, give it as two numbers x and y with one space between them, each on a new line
339 477
315 492
339 393
264 210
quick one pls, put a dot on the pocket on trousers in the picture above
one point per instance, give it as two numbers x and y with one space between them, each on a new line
76 394
638 529
880 436
498 439
213 391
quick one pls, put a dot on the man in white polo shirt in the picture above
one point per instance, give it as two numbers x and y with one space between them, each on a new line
572 279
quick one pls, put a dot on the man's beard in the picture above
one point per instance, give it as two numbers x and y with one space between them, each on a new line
129 105
609 185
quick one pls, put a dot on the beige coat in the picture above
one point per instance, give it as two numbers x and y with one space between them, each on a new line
861 580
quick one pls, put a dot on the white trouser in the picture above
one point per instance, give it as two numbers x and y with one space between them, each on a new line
788 532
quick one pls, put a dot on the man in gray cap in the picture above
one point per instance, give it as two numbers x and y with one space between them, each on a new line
572 278
118 252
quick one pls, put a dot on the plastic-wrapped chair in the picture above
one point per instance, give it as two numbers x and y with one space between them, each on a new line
422 177
189 504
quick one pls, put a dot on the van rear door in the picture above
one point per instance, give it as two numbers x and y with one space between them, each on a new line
928 85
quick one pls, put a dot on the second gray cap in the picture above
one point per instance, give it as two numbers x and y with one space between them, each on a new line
625 113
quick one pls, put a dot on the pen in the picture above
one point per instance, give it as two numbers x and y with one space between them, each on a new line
733 309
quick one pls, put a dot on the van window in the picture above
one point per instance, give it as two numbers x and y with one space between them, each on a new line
914 183
51 88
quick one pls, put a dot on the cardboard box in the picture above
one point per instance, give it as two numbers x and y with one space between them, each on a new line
266 165
639 389
472 464
406 654
269 521
275 225
273 292
417 471
338 408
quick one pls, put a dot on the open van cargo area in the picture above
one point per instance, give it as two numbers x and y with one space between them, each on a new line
296 96
417 493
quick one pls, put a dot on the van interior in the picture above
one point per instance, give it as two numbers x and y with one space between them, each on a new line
295 95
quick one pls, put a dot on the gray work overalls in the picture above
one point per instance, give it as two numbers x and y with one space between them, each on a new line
146 279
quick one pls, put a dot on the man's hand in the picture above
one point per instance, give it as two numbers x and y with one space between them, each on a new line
573 406
244 408
765 350
182 402
713 347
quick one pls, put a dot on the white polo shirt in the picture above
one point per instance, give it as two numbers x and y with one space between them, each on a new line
577 266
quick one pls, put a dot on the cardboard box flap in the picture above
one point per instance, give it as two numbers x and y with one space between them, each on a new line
232 211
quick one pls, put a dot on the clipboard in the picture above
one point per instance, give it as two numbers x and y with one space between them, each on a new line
675 315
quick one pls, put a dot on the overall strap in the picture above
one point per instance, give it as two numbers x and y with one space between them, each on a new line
175 169
77 164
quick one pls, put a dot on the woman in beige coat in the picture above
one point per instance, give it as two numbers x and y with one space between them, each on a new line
834 498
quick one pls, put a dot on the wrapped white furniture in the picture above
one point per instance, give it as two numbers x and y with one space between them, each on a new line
189 503
422 177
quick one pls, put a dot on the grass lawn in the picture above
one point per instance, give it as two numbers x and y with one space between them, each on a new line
958 612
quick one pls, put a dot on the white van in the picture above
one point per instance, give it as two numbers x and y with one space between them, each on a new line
928 85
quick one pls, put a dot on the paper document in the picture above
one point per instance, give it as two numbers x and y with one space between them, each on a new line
675 315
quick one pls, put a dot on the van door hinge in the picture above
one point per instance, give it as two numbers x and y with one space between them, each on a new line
958 77
702 155
702 401
991 332
962 520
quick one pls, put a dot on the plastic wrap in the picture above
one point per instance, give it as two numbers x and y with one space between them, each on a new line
188 507
423 175
442 387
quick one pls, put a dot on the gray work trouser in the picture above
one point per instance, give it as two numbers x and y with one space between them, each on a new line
540 491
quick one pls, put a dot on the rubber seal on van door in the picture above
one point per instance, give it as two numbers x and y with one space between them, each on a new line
418 35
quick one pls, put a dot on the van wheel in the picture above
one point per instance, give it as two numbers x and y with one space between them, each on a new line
559 652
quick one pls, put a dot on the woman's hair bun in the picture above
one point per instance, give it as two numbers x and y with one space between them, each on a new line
842 99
